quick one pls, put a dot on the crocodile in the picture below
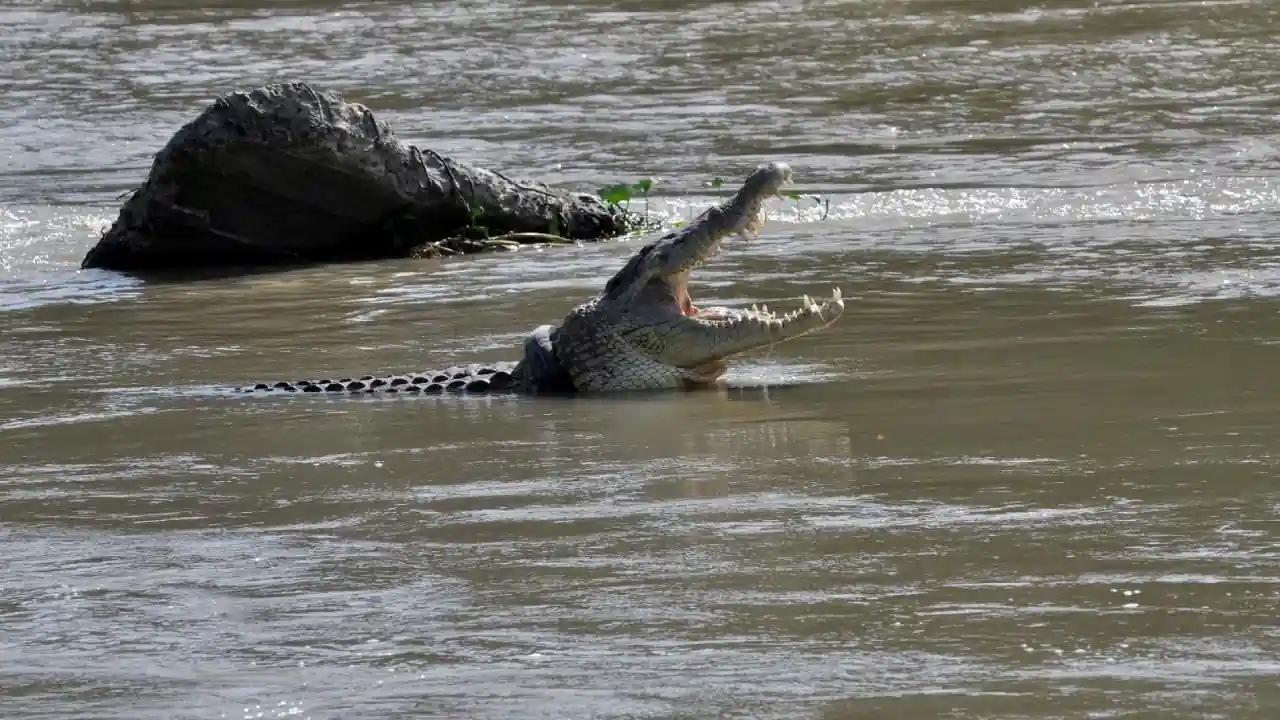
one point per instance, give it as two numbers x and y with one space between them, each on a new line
642 332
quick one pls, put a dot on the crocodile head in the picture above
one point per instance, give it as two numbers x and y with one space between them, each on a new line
644 331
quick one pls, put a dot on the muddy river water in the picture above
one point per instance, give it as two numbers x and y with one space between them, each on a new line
1031 473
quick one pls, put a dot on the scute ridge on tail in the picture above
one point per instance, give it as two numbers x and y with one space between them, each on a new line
474 378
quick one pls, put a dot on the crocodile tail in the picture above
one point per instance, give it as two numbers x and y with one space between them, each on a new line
498 377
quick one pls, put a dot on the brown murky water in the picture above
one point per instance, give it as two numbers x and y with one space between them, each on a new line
1032 473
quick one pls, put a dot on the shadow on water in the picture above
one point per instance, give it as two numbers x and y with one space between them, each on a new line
187 276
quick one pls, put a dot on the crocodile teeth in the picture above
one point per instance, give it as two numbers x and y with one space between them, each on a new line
836 294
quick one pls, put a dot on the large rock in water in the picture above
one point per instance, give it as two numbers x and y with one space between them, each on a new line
285 174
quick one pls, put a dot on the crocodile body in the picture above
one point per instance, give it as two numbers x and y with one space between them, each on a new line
642 332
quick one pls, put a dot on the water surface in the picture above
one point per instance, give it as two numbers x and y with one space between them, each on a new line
1031 473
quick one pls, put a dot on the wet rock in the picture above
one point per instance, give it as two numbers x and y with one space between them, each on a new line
286 174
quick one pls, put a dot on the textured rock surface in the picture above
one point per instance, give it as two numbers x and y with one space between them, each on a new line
286 174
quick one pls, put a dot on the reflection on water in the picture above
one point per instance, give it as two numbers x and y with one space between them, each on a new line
1030 473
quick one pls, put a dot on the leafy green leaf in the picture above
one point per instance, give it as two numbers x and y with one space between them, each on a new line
643 186
717 183
617 193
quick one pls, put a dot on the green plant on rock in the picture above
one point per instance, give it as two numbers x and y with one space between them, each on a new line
622 193
476 229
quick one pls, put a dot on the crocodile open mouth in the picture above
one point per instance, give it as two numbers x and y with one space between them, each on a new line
750 230
808 305
684 299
